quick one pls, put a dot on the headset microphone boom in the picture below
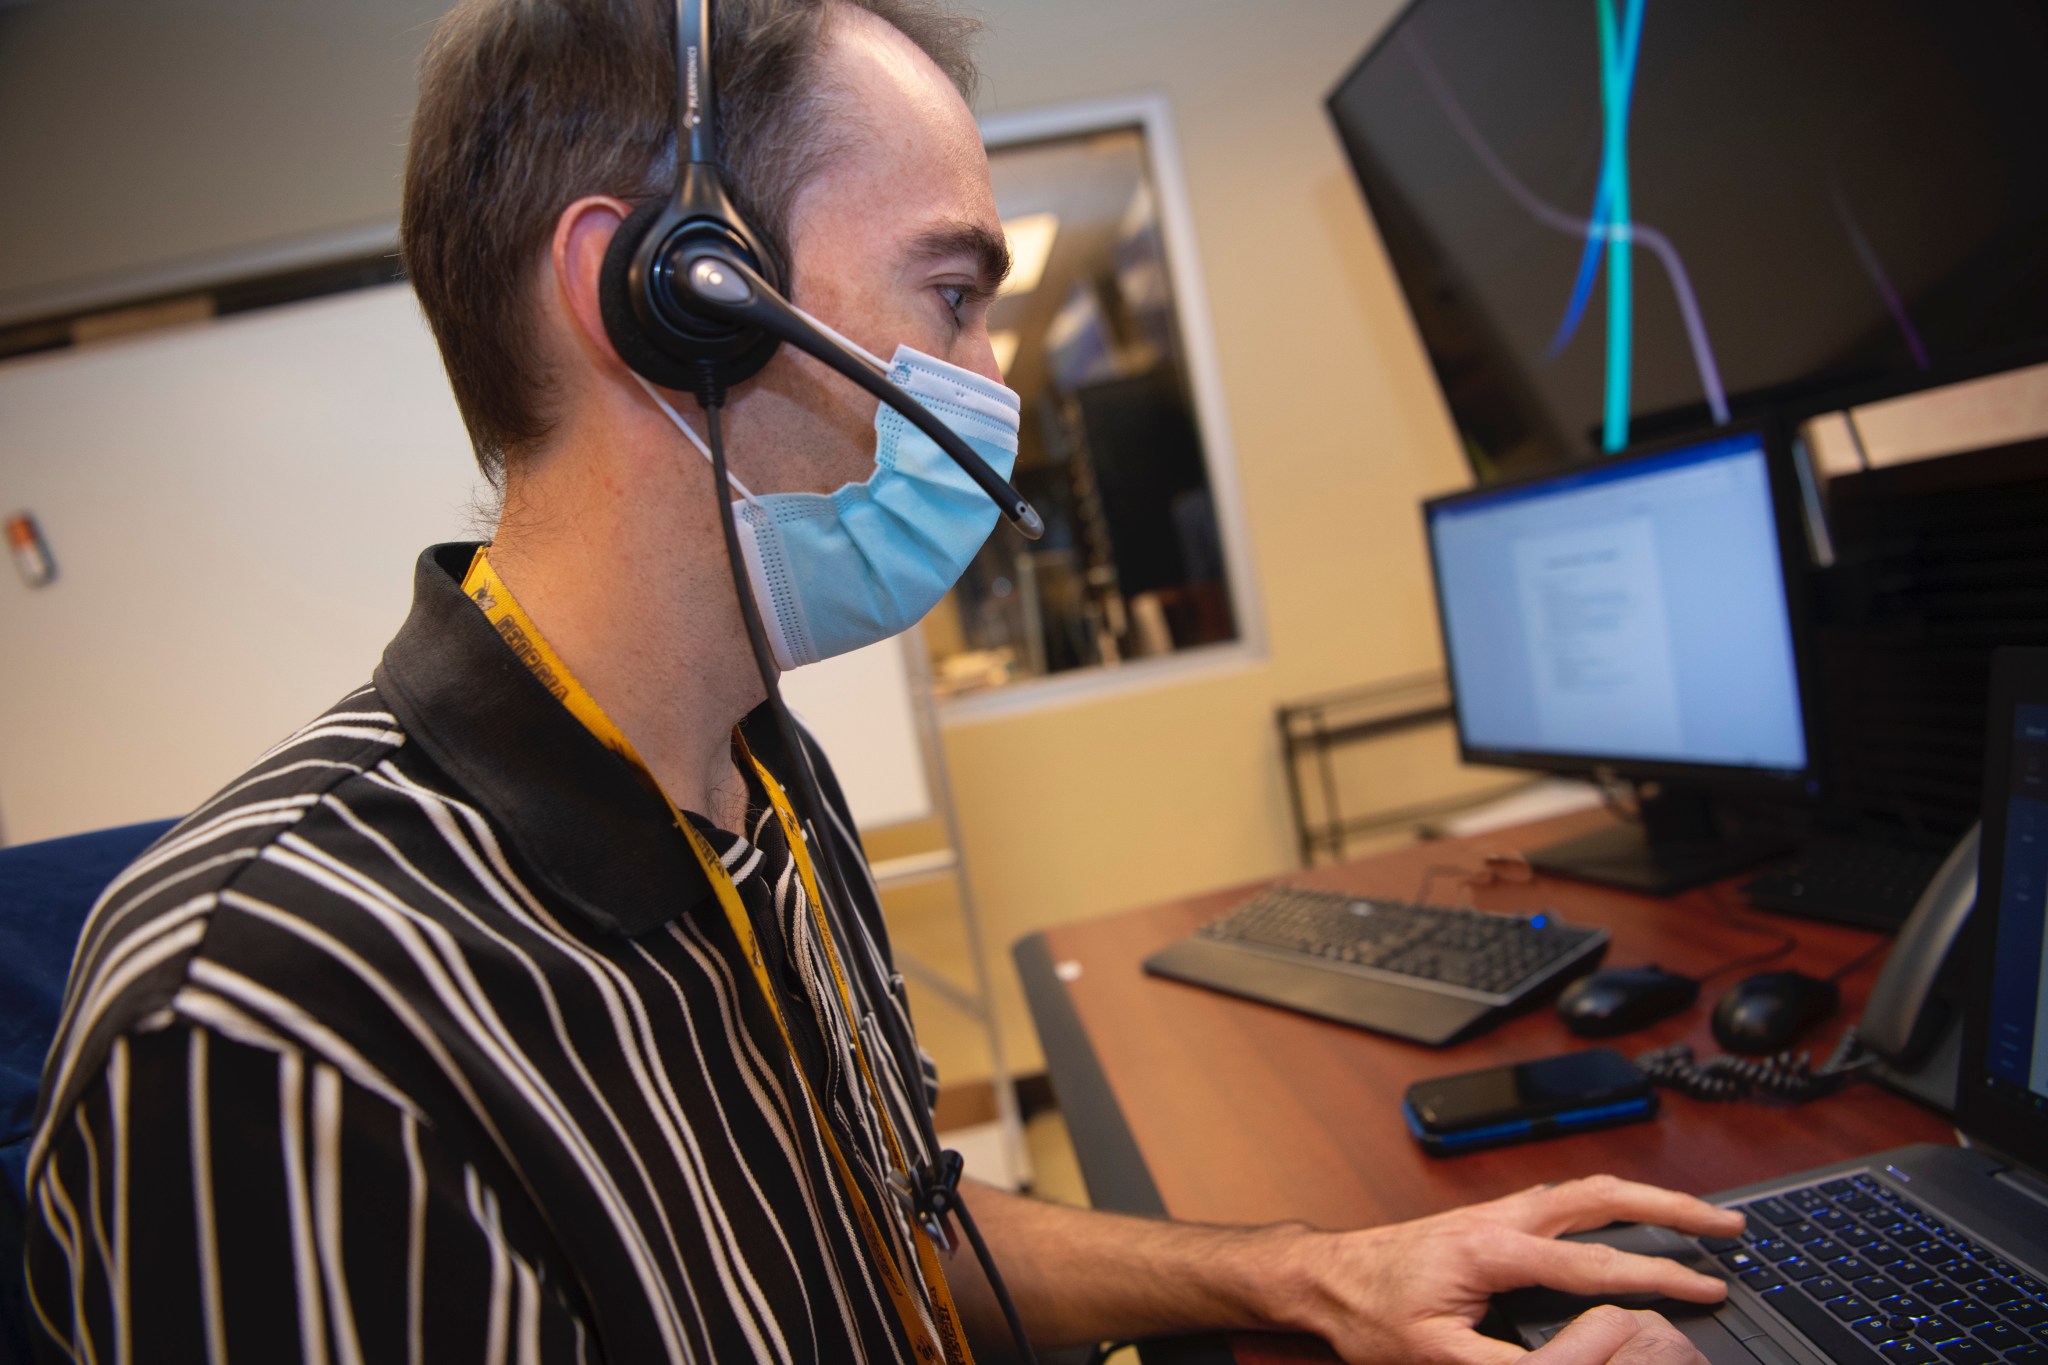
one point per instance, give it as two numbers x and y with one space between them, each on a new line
726 288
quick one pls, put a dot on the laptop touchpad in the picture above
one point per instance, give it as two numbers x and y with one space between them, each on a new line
1539 1313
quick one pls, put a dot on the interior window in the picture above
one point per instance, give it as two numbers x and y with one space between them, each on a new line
1111 451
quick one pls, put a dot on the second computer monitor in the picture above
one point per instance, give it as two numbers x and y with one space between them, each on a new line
1630 616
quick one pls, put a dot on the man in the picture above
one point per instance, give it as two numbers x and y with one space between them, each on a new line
434 1037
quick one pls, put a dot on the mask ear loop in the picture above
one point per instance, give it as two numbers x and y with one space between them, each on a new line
839 338
695 439
845 342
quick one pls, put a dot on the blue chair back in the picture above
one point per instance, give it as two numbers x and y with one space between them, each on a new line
45 891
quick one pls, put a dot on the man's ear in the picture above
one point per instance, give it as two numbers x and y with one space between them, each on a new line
582 235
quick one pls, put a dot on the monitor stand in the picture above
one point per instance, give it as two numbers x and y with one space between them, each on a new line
1677 845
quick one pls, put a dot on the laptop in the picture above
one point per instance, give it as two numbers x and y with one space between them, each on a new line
1924 1255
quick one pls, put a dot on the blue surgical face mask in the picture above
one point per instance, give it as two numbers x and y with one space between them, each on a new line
834 572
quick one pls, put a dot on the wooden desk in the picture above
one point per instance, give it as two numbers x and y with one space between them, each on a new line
1192 1104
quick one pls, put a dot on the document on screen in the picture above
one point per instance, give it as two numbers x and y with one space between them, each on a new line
1593 618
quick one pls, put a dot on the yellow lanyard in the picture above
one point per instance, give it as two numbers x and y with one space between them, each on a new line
483 586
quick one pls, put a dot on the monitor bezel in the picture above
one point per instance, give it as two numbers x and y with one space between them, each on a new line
1990 1115
1795 566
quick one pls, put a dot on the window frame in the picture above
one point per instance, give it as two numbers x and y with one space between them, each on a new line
1150 114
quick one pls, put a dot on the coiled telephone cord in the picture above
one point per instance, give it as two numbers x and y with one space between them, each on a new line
1788 1076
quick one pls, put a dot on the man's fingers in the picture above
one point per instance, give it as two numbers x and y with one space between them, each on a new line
1592 1337
1457 1343
1617 1335
1597 1270
1596 1201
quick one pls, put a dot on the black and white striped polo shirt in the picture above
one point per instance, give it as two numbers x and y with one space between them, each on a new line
427 1040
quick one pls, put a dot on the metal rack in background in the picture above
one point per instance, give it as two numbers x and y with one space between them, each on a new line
1313 730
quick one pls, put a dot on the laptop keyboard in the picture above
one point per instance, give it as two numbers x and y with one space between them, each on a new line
1496 955
1868 1275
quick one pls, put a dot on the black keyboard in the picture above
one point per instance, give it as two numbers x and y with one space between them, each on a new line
1852 881
1871 1278
1500 957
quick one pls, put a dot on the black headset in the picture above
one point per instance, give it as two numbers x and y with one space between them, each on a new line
644 296
692 301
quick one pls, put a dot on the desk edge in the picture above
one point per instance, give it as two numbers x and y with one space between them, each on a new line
1111 1165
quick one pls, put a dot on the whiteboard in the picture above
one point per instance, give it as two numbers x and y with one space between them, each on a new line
235 508
863 708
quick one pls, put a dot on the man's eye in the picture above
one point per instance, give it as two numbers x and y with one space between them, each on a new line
955 297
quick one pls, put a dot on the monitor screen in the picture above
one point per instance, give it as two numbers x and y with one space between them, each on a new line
2002 1079
1814 194
2017 1043
1630 614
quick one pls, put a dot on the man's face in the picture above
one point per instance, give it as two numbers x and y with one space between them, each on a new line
896 241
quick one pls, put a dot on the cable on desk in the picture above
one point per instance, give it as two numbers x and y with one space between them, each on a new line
1787 940
1619 798
1789 1076
1861 959
1435 872
1496 869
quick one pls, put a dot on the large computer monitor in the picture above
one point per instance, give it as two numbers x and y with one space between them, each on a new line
1817 195
1633 618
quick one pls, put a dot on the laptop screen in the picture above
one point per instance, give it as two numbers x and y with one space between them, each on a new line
2017 1048
2005 1102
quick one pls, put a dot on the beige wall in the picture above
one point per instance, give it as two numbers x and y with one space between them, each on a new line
153 142
1339 431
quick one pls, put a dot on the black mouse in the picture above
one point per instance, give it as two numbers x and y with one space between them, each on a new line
1622 999
1764 1013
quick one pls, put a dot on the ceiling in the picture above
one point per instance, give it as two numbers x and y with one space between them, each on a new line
1088 181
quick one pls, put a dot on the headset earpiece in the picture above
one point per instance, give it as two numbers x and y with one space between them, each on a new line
641 295
643 302
614 297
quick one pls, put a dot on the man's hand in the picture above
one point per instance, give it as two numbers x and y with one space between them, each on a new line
1412 1292
1405 1294
1617 1336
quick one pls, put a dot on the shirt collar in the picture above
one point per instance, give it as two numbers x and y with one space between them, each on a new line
586 824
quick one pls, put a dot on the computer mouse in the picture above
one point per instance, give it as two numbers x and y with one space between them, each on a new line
1764 1013
1622 999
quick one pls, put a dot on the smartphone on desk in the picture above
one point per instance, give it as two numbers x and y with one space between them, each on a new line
1596 1088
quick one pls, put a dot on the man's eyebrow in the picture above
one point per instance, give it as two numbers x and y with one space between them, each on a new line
990 252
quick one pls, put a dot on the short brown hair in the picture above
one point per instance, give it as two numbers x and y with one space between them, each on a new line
528 105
